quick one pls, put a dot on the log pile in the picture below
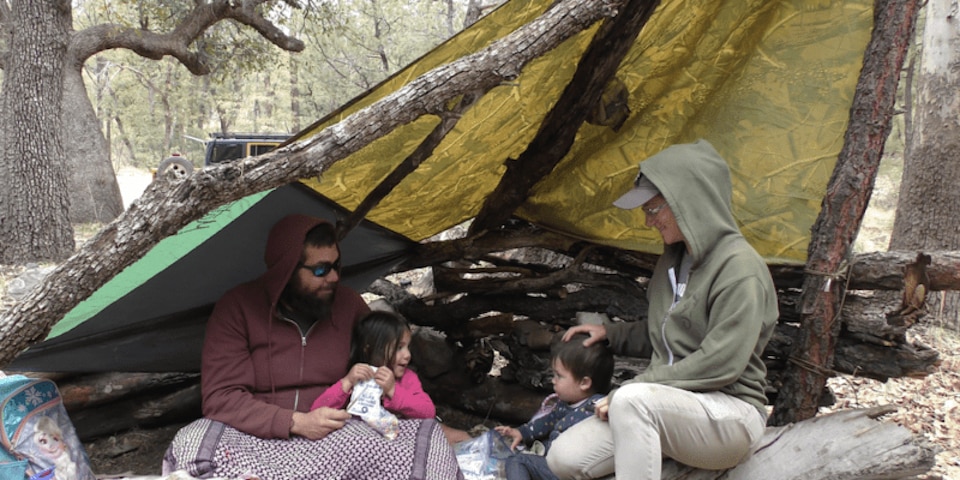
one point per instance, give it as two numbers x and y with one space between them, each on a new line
513 303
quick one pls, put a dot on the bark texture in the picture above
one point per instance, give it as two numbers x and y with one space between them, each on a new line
34 225
91 180
926 212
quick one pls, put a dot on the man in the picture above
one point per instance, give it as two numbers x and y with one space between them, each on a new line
712 310
272 346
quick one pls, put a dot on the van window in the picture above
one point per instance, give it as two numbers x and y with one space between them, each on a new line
222 152
260 148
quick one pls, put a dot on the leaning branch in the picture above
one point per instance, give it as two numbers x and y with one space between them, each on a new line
448 120
848 193
556 134
176 43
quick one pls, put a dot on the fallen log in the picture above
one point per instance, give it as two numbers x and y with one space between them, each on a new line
148 410
849 444
93 390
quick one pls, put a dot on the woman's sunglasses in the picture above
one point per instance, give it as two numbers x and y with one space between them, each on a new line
322 269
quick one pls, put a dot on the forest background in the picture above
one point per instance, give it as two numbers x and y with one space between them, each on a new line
150 109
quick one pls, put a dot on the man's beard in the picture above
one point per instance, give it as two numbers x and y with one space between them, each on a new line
304 305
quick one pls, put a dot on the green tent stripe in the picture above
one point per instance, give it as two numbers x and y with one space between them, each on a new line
161 256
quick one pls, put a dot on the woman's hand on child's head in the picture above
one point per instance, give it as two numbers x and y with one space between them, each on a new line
596 333
358 373
512 433
387 381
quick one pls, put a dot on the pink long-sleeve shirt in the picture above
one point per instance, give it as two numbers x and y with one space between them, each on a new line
409 400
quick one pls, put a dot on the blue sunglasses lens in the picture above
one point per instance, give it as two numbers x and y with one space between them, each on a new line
323 269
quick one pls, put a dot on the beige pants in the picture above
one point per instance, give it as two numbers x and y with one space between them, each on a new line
648 422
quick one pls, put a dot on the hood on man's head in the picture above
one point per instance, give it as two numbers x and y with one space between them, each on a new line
643 190
286 238
284 248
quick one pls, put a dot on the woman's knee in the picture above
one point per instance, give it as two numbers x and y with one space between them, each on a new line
562 458
631 398
585 450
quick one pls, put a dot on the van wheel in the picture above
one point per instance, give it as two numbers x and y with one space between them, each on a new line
175 167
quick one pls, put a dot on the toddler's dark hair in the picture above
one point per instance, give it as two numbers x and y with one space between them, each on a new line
376 338
595 361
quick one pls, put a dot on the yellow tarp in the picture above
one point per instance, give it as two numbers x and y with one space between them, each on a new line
769 83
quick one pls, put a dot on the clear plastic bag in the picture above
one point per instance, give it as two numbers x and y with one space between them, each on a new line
481 458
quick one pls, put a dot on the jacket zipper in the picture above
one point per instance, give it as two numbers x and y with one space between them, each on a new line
303 350
672 273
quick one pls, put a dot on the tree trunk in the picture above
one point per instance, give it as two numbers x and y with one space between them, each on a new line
295 113
34 225
92 183
848 194
926 216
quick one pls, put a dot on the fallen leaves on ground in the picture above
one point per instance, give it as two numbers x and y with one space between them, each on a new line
928 406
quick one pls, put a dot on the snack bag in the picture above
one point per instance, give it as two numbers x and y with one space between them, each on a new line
365 403
481 458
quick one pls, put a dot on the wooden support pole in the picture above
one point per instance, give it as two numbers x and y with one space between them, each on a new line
844 204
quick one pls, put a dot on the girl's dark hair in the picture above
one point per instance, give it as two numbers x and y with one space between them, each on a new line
376 338
595 361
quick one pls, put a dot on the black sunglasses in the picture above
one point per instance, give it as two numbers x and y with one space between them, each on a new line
322 269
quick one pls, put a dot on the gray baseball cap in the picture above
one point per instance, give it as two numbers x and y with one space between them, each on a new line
643 190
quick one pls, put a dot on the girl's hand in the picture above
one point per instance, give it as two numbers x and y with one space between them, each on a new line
358 373
387 381
512 433
602 408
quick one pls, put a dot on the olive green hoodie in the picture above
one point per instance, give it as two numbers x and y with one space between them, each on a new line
713 338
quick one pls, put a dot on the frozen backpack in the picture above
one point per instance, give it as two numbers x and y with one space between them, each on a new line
39 442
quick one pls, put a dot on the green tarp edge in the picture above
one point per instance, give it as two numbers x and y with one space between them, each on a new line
161 256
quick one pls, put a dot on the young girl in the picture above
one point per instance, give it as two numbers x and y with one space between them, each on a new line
380 349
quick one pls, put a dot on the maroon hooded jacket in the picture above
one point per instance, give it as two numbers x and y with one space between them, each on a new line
256 368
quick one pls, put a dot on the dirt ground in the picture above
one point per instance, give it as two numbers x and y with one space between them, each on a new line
136 452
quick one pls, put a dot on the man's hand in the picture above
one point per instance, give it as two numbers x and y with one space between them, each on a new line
597 333
512 433
318 423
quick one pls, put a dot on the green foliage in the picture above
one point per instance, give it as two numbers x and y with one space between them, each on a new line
149 109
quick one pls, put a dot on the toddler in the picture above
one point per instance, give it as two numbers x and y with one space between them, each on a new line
581 377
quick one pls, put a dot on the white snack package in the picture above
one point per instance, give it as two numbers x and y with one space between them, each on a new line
365 403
